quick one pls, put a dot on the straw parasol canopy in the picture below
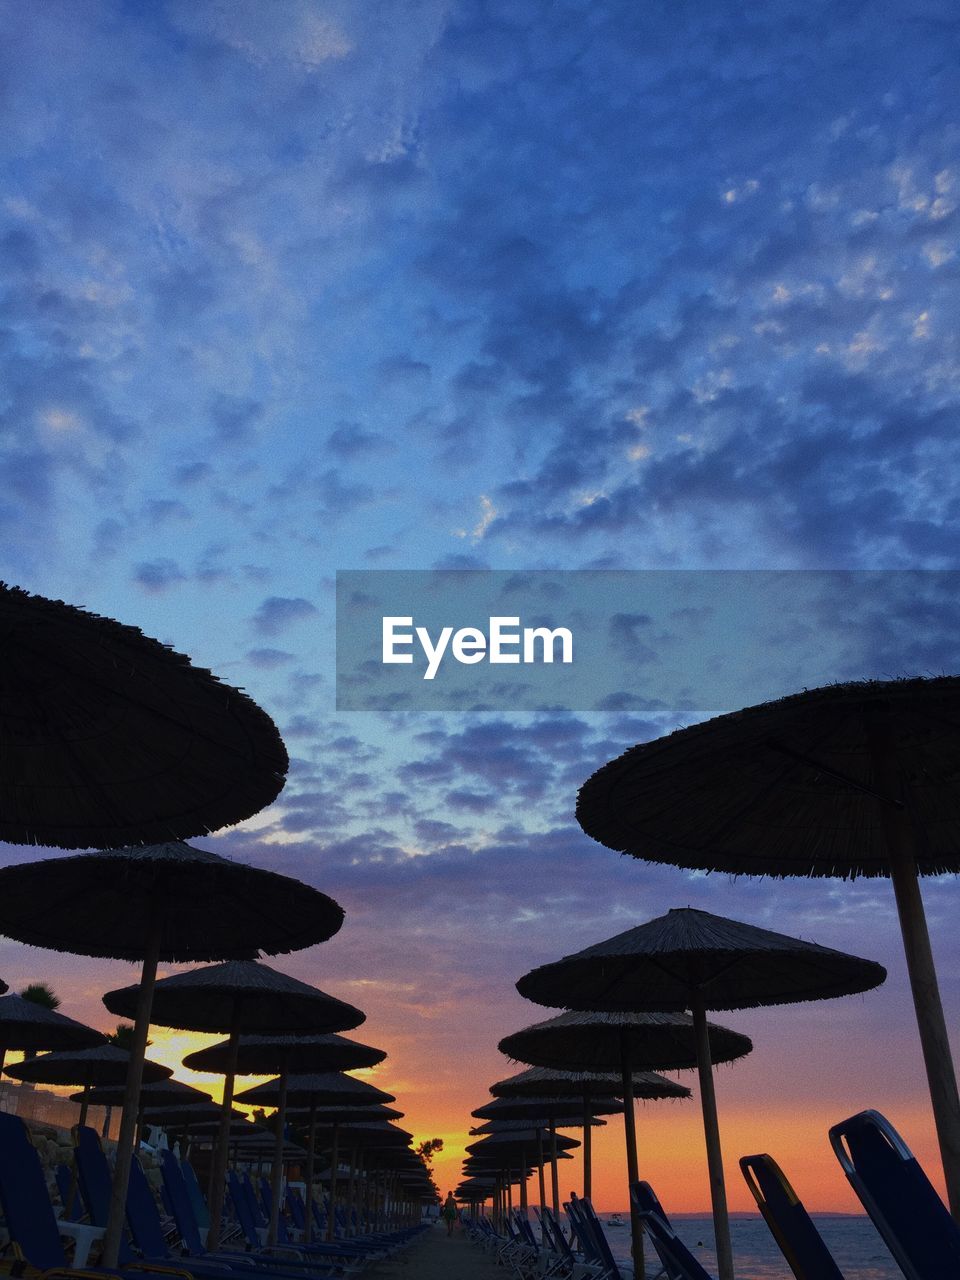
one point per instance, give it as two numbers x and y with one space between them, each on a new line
693 960
202 905
239 997
28 1026
110 738
856 779
550 1109
104 1064
592 1041
325 1089
157 1093
260 1055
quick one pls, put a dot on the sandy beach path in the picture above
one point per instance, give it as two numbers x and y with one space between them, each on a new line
435 1257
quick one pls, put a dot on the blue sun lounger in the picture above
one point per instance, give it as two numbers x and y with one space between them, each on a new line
790 1225
914 1222
34 1230
677 1260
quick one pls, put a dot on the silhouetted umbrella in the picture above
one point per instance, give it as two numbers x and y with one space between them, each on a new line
693 960
600 1041
239 996
25 1025
850 780
110 738
160 902
324 1088
104 1064
4 987
160 1093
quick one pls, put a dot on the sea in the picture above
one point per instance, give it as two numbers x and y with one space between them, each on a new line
852 1239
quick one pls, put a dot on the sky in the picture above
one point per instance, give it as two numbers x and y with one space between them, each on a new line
307 286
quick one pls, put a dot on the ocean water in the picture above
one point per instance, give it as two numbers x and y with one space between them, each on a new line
857 1248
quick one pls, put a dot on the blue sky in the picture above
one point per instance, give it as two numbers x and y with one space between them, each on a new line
298 286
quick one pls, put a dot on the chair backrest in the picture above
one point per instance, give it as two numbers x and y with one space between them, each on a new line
180 1203
790 1225
897 1194
143 1217
674 1254
69 1192
26 1206
200 1210
296 1206
599 1242
241 1206
556 1240
95 1181
252 1202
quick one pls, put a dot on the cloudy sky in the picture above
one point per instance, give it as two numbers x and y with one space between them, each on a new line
314 285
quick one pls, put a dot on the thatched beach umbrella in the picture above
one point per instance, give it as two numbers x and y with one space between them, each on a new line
105 1064
25 1025
110 738
240 996
601 1041
693 960
850 780
329 1088
160 902
519 1145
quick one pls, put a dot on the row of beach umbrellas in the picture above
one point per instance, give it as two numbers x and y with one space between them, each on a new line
111 739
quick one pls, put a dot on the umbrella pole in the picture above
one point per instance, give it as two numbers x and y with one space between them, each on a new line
351 1186
934 1041
711 1132
334 1157
116 1216
543 1191
218 1171
276 1170
311 1162
554 1177
84 1104
587 1147
633 1167
524 1209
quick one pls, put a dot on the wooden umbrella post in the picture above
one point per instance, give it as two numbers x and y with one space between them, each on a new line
351 1186
116 1216
334 1158
276 1169
218 1173
543 1191
587 1146
554 1175
311 1169
902 843
934 1040
711 1132
630 1137
524 1209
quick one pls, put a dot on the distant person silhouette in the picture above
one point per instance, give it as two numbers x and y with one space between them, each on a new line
449 1212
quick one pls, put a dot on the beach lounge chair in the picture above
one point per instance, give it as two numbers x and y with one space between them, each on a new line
678 1262
593 1241
912 1219
68 1192
34 1229
790 1225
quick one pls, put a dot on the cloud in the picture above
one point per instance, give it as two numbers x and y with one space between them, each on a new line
277 613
